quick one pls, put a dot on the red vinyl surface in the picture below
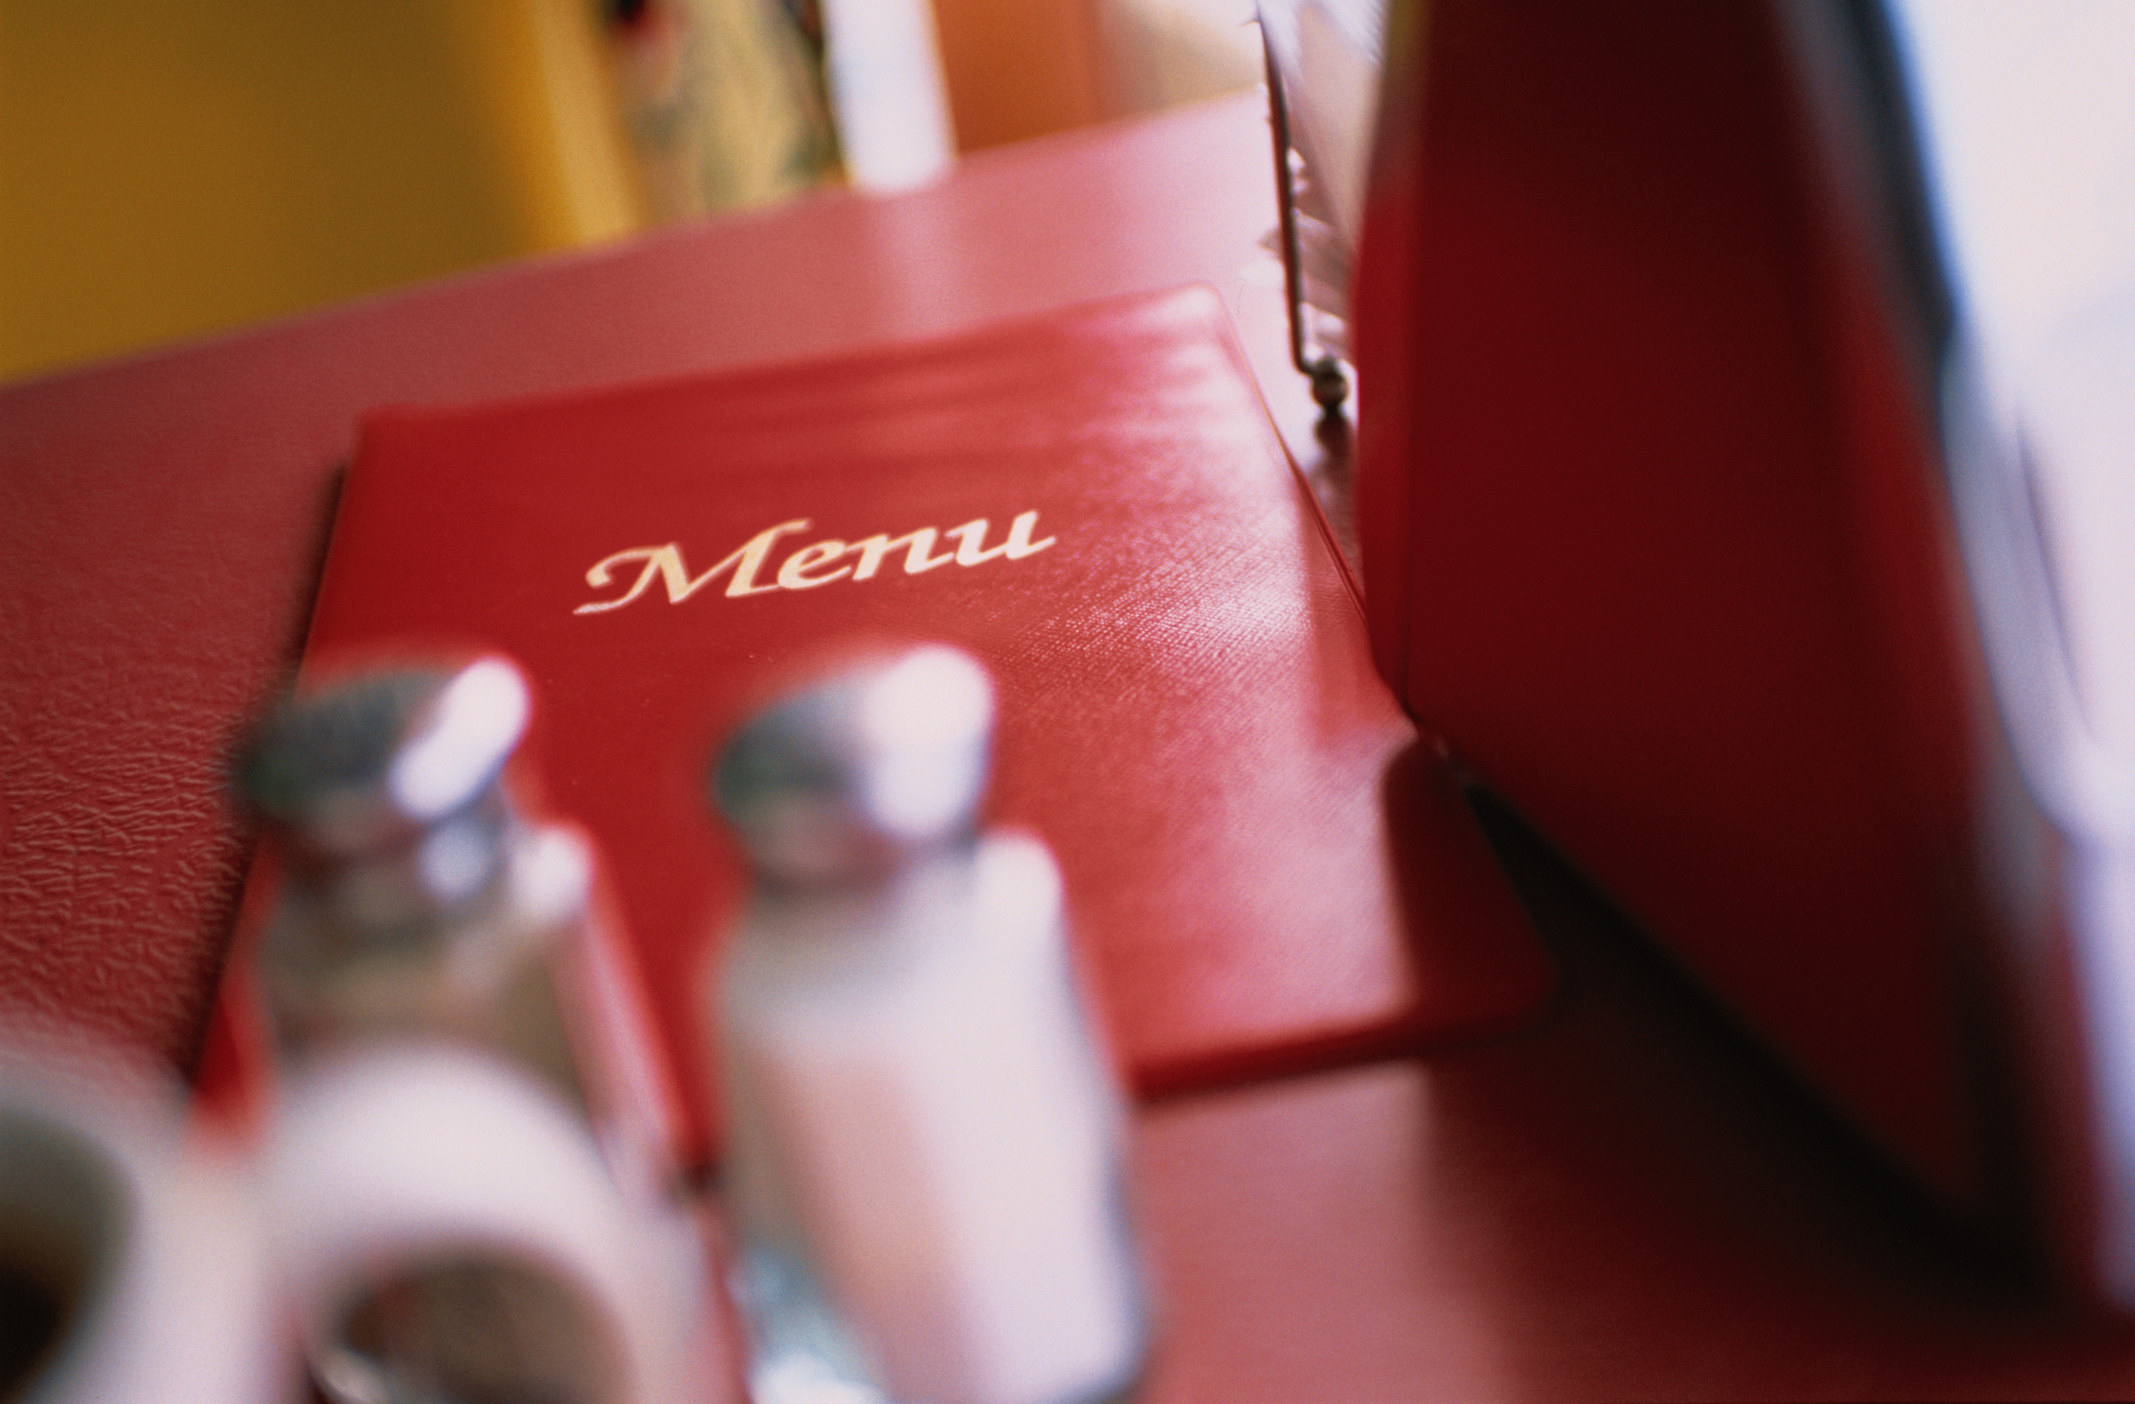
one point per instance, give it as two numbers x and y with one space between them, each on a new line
1627 1203
1621 1202
1266 868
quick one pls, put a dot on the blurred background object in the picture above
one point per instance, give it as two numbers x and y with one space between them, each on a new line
724 100
1324 58
886 86
2025 190
2027 121
1161 53
168 170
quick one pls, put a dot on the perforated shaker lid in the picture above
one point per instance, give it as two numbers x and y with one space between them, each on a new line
355 768
851 777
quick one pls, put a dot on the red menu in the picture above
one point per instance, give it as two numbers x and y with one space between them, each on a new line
1267 868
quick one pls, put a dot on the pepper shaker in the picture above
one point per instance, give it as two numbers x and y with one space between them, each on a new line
417 899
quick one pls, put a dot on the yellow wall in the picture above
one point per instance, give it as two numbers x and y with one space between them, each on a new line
338 145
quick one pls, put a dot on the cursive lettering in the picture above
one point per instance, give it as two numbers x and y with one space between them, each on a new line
810 567
665 562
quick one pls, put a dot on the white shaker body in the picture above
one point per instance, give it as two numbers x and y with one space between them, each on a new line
924 1154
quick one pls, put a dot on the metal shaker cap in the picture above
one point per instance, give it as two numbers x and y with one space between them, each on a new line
361 767
846 780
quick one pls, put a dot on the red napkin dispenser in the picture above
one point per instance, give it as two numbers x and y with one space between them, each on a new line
1682 524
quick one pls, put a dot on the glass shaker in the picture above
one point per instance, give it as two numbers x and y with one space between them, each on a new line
923 1155
431 939
417 901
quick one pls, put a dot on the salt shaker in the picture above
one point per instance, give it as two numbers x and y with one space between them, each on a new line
923 1156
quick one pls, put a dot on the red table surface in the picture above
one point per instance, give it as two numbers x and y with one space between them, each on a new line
1623 1202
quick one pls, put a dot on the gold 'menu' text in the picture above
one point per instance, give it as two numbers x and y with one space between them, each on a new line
819 563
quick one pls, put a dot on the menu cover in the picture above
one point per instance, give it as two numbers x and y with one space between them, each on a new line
1267 869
